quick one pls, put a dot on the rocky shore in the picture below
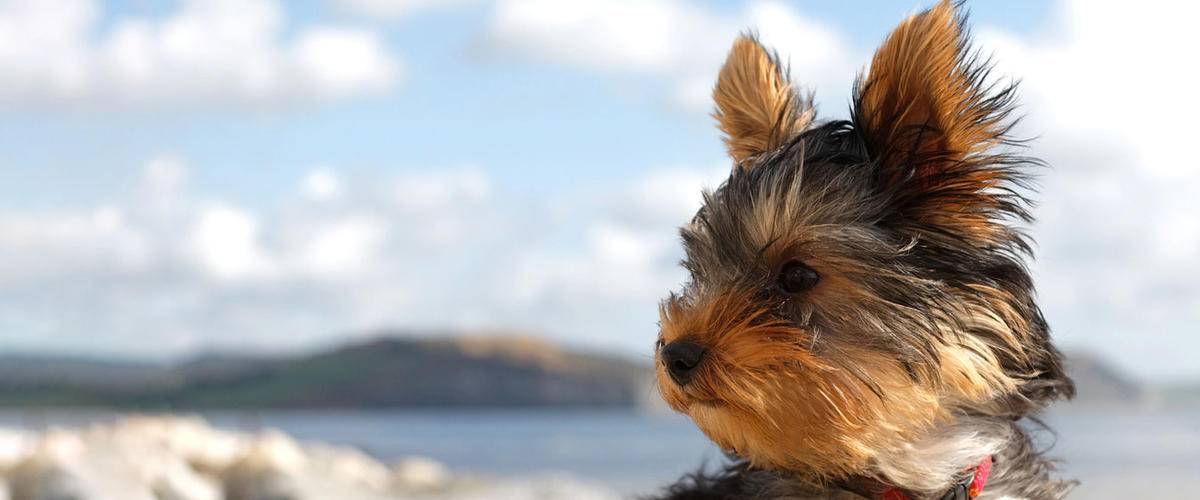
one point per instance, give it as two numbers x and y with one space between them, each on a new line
184 458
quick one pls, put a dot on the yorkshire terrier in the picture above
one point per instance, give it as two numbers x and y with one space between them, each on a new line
859 320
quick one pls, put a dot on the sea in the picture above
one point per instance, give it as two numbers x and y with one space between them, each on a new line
1115 453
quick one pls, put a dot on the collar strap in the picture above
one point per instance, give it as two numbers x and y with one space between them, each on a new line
968 489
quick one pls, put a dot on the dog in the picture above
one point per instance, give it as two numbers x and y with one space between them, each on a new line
859 320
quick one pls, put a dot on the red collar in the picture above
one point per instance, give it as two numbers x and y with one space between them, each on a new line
968 489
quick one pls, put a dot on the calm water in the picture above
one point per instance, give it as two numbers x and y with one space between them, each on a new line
1117 453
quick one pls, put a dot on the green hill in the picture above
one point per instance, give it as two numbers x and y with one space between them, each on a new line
387 372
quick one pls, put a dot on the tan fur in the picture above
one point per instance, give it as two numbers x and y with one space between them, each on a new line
921 113
757 107
779 405
916 79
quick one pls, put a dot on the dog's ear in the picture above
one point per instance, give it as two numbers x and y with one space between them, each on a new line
929 119
757 107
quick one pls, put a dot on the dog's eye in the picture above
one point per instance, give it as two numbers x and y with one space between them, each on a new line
795 277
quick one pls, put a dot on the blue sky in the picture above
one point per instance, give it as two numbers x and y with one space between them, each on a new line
459 102
208 174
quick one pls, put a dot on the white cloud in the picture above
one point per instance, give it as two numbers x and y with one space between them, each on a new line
427 190
1091 82
35 246
341 62
225 242
321 185
1117 235
163 268
397 9
344 247
681 41
165 175
208 51
619 35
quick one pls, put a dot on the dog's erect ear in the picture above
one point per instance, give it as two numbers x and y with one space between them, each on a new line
757 107
929 119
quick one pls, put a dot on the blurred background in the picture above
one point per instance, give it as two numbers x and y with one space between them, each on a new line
413 248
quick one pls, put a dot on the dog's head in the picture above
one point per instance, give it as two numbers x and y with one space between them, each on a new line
855 283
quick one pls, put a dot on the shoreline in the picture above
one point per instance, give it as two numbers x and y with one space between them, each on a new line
156 457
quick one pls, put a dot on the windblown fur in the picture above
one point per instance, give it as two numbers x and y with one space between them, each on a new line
922 344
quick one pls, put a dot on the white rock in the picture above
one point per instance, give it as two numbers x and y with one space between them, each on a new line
183 458
14 446
420 474
349 465
276 466
191 438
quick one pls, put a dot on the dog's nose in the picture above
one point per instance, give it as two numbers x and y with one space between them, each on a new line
681 357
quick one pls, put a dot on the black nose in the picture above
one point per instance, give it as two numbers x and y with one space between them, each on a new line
680 358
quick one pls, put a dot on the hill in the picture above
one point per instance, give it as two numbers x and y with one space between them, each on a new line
386 372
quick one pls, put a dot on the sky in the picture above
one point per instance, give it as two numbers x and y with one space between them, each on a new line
255 175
